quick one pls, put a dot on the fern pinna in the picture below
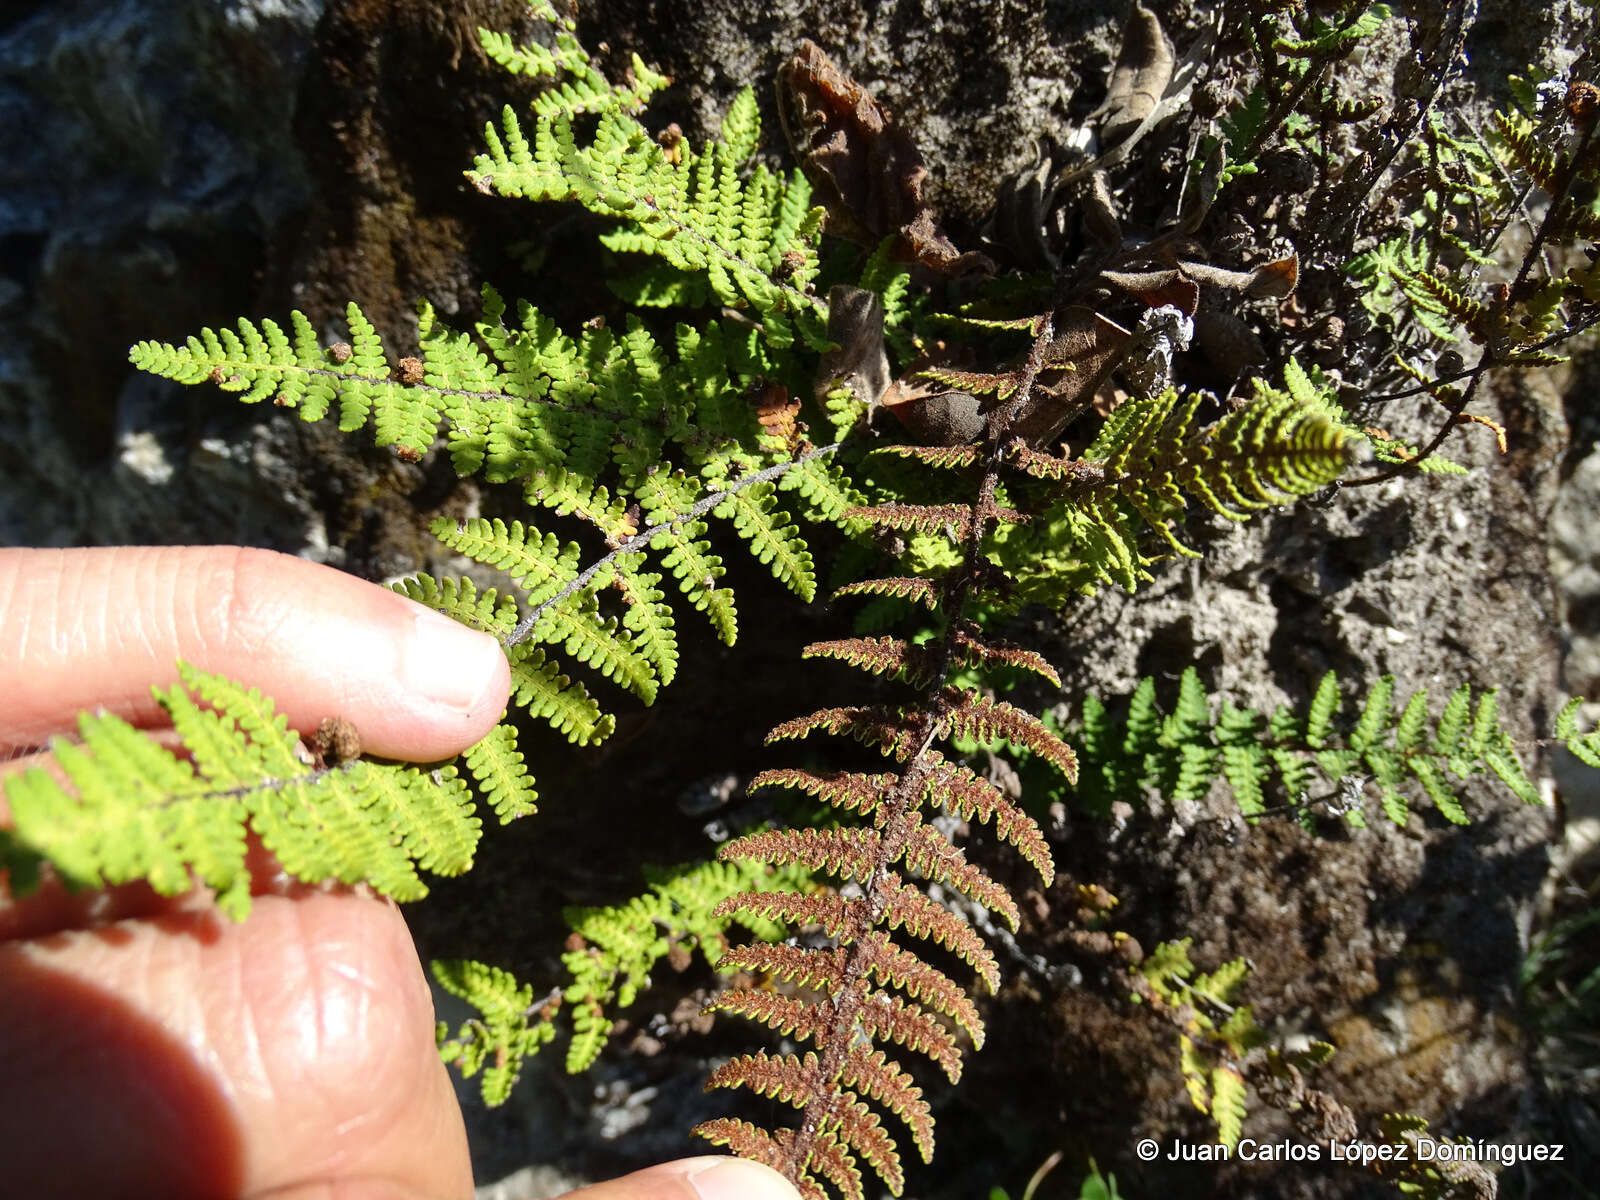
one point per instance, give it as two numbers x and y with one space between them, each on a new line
1181 753
861 972
126 808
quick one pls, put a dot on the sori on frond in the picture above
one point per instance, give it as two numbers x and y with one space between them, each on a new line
897 962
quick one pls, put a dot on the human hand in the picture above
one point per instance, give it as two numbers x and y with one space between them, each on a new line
148 1045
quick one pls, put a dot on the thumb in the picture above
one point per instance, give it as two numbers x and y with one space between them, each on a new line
95 628
708 1178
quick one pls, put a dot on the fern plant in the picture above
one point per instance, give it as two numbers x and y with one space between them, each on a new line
872 988
610 956
1225 1055
1181 753
641 445
628 443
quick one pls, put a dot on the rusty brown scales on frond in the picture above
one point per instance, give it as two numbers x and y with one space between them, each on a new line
872 984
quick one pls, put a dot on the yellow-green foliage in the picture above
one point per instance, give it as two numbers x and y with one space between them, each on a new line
1314 389
130 809
1138 474
581 88
744 238
1216 1035
1394 748
609 963
1464 189
639 445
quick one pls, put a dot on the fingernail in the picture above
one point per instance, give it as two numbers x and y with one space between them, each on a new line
450 664
737 1179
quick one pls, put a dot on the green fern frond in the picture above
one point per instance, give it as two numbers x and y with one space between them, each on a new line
131 809
1323 37
1182 753
1228 1105
612 954
750 238
490 611
1150 456
509 1029
773 538
497 766
1585 747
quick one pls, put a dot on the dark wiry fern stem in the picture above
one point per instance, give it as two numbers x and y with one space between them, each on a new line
902 801
1569 173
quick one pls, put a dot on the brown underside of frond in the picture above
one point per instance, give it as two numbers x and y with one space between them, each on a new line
953 519
959 790
818 968
835 1164
976 651
789 1079
822 970
1048 466
926 918
842 918
879 656
892 964
946 457
911 1026
870 987
778 1077
870 724
902 587
870 1073
753 1142
847 853
930 854
982 719
860 1129
842 789
787 1014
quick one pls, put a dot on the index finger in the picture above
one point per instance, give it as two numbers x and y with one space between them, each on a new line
95 628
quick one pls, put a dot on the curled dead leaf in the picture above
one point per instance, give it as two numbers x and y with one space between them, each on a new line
865 168
935 415
1140 76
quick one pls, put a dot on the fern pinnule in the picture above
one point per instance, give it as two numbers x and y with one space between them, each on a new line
871 725
954 520
961 791
878 656
930 855
845 852
949 458
982 719
869 1073
973 651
